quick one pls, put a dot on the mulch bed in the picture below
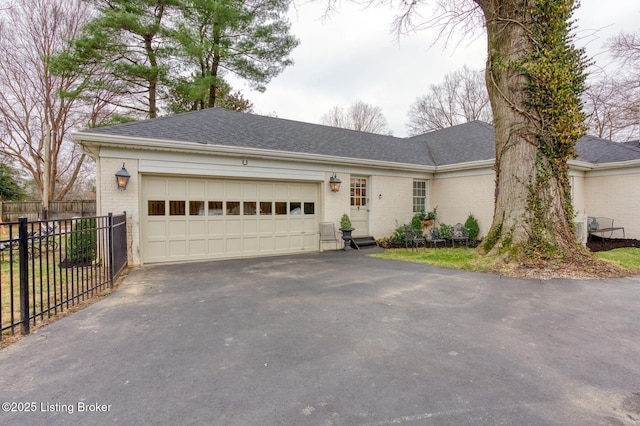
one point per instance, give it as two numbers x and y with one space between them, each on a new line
603 244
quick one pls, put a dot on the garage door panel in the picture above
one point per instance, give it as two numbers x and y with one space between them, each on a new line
216 246
216 227
197 190
177 248
177 229
249 191
156 229
250 226
233 227
157 249
281 242
266 244
197 228
156 188
266 226
215 190
265 191
217 218
233 245
177 189
197 247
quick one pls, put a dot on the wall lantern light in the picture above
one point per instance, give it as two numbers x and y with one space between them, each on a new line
122 178
334 183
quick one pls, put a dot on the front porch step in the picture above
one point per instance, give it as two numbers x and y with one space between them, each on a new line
365 241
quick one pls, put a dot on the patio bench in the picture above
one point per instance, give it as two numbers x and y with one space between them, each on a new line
602 227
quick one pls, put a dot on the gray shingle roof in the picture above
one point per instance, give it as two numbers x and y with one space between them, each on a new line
222 127
472 141
468 142
595 150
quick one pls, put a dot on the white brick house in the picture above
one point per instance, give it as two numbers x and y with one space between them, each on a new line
219 184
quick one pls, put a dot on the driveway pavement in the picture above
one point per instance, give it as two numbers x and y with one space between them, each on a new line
333 338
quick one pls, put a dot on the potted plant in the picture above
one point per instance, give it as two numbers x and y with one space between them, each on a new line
429 217
345 227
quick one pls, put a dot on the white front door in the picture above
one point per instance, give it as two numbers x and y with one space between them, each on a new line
360 206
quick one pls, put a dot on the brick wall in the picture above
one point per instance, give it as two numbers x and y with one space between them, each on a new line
456 197
112 200
616 196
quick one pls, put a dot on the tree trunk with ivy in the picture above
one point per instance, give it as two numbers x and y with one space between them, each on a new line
534 77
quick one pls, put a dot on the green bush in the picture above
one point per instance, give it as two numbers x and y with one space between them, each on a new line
82 242
472 225
445 231
399 236
416 222
345 222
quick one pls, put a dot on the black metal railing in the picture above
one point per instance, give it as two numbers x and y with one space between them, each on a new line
47 267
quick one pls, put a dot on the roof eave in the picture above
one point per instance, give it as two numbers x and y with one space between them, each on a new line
88 140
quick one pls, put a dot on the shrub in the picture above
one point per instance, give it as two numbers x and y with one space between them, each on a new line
399 236
81 243
416 222
445 231
472 225
345 222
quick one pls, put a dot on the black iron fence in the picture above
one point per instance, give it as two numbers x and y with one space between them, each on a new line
47 267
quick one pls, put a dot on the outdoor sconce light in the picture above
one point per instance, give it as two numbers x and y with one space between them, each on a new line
334 183
122 178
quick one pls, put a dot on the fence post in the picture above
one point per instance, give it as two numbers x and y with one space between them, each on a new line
111 266
24 274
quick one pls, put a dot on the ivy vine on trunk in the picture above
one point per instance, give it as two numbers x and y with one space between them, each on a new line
535 76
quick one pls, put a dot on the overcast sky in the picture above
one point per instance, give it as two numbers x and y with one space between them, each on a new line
353 55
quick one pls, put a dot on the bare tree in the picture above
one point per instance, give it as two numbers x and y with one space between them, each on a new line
38 107
359 116
462 97
611 108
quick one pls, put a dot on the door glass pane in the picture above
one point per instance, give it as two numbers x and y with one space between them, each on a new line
156 207
359 192
196 208
177 208
215 208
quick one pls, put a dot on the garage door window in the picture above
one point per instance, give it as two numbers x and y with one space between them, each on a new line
281 207
266 208
295 208
156 207
196 208
233 208
309 208
215 208
249 208
177 208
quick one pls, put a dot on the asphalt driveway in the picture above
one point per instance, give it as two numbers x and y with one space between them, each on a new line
333 338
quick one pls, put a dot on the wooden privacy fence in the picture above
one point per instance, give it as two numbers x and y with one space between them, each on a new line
10 211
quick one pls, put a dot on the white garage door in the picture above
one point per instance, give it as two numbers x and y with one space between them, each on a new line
189 219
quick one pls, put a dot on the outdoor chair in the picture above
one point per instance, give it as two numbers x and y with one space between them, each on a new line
459 233
434 237
328 234
413 237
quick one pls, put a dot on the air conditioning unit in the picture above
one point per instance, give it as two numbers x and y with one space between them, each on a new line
580 222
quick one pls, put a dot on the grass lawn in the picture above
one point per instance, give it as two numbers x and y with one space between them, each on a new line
458 258
628 257
470 260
